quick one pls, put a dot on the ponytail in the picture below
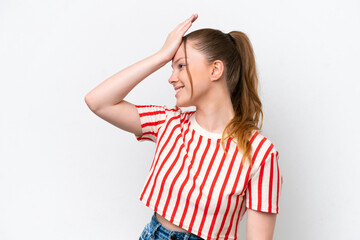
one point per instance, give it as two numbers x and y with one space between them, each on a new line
244 98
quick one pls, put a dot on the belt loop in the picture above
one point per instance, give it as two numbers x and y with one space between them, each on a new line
154 230
187 236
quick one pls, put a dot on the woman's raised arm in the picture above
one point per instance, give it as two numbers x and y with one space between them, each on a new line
115 88
107 99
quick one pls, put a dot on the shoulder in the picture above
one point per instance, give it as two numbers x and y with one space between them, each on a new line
259 140
262 148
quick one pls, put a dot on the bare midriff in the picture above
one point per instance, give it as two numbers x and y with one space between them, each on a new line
169 225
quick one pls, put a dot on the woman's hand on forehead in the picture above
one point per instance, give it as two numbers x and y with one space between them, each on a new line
174 39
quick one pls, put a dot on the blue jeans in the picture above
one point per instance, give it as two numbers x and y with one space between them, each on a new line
154 230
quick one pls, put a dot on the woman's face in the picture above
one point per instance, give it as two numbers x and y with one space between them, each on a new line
199 70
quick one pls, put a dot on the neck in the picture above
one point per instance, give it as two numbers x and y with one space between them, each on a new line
215 111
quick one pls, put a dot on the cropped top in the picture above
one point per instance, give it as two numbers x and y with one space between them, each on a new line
194 185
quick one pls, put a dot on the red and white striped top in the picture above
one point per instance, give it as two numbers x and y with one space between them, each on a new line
193 185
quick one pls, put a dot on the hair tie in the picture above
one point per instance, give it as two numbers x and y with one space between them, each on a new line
231 38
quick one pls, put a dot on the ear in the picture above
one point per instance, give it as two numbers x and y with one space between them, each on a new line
216 70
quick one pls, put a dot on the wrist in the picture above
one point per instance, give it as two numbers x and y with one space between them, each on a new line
161 57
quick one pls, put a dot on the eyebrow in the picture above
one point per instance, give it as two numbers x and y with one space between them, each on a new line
176 61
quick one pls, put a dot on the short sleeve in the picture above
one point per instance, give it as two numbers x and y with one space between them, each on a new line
264 188
151 117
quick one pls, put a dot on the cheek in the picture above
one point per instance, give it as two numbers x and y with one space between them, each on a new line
200 78
198 74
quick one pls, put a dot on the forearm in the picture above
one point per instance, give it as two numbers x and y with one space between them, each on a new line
260 225
115 88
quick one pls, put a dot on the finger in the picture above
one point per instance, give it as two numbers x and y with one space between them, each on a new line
181 29
188 20
184 26
195 17
191 19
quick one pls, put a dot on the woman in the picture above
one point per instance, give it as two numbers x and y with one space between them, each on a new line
210 165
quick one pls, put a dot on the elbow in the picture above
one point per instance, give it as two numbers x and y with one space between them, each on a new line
91 103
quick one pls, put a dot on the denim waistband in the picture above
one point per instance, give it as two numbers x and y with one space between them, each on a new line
164 233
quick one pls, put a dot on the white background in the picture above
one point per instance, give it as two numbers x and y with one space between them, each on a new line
67 174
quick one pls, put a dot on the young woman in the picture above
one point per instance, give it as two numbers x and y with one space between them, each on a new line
210 165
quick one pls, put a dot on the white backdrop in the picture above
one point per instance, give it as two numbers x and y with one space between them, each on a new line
67 174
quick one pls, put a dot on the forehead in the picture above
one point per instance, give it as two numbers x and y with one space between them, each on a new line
181 52
191 53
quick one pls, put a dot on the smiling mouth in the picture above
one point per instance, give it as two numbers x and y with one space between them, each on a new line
177 90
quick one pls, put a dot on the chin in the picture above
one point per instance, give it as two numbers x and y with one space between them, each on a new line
180 102
183 104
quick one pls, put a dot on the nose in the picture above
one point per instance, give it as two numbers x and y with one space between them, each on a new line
173 78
